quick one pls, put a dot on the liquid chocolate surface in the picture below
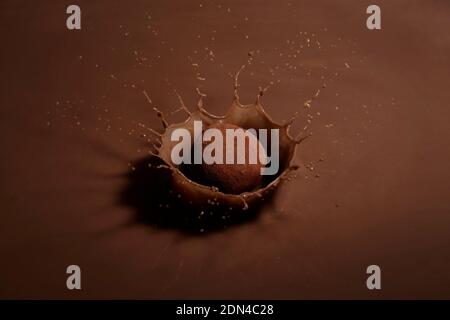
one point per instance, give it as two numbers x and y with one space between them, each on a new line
373 183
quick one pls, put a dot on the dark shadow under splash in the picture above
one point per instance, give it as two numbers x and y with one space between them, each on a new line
148 192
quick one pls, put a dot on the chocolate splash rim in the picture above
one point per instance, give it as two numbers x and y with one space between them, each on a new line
211 192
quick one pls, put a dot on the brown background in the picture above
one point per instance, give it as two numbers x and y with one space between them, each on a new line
68 132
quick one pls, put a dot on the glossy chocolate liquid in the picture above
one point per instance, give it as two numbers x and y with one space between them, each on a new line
374 177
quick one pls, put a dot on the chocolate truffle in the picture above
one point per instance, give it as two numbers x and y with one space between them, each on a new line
233 178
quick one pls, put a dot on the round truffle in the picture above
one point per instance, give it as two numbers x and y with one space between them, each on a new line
234 178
